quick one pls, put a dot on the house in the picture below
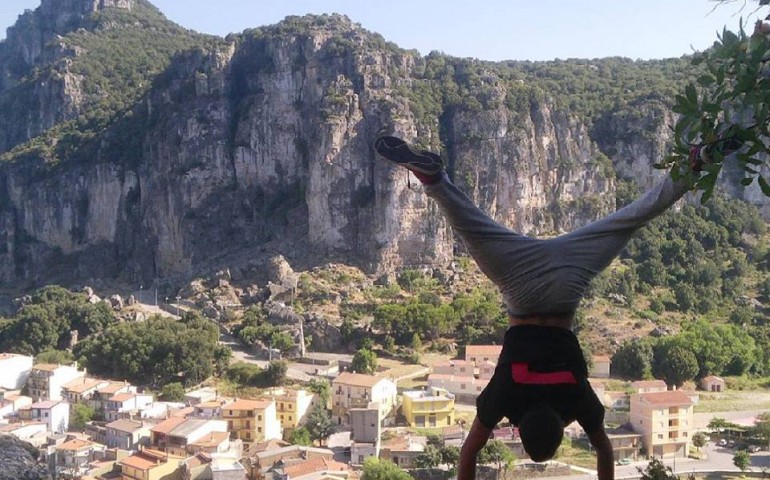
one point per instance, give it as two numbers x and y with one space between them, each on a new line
252 420
14 370
434 407
175 434
72 458
461 368
360 451
261 459
102 395
600 367
215 443
310 468
486 370
82 389
355 390
54 414
205 467
45 380
649 386
211 409
616 400
205 394
403 449
478 354
465 389
625 443
292 406
713 383
123 405
12 402
127 434
36 433
149 464
665 421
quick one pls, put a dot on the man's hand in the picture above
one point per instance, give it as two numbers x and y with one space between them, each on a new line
605 466
477 438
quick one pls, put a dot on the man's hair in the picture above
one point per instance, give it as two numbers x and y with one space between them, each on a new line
541 431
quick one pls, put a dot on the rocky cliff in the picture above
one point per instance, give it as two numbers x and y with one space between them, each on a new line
261 145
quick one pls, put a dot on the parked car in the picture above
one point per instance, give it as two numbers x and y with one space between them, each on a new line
624 461
722 442
754 448
731 443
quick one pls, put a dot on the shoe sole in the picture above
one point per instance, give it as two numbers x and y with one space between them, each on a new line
399 152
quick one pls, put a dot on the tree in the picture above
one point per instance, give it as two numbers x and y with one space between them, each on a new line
364 361
742 460
699 440
376 469
319 424
657 471
275 373
429 458
322 388
172 392
450 455
300 436
80 414
61 357
498 453
633 360
673 363
725 111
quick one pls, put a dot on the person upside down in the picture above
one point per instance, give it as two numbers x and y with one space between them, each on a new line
541 380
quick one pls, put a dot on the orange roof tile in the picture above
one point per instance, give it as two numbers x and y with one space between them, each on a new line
122 397
166 426
318 464
243 404
140 461
667 399
75 444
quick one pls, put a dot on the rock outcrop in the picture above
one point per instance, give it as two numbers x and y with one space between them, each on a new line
18 460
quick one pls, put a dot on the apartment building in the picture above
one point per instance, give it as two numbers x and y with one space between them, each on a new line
665 421
356 390
45 380
252 421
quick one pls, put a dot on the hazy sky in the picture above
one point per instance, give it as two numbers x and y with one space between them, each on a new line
486 29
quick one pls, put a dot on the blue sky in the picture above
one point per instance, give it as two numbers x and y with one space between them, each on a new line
486 29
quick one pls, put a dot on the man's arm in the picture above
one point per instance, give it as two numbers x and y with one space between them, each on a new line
605 466
477 438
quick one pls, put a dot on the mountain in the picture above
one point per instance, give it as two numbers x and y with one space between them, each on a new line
134 151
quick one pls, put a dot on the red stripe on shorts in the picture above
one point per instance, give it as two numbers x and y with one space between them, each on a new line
521 374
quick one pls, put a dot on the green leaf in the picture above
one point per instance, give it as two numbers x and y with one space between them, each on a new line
764 185
747 181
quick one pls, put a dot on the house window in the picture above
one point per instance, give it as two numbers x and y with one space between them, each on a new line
660 436
360 459
259 417
259 429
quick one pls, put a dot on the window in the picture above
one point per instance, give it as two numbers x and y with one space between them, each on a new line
259 429
259 417
660 436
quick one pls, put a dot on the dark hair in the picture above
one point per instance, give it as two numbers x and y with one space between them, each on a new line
541 431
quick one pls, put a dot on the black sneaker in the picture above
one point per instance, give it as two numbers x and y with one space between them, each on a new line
399 152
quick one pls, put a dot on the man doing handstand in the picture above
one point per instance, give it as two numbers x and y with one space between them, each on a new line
541 379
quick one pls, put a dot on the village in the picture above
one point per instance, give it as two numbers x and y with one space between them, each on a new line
209 436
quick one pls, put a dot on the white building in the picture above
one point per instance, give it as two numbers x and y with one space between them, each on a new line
46 380
355 390
14 370
56 415
35 432
123 405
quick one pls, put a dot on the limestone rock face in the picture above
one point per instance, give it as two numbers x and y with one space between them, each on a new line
261 147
